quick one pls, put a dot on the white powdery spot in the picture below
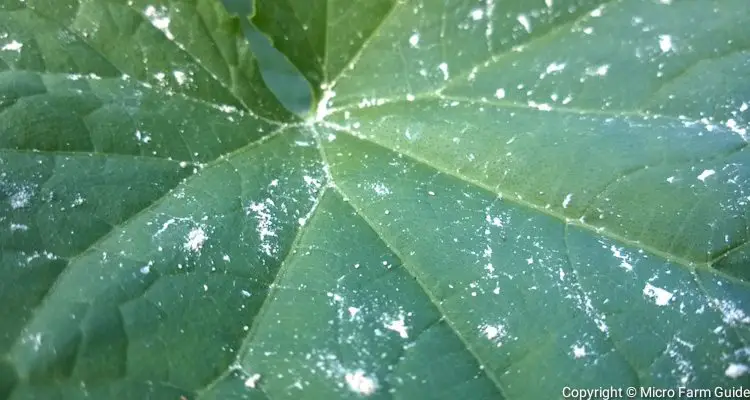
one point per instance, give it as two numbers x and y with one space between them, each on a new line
660 296
540 106
252 381
665 43
142 137
555 67
13 46
443 67
705 174
579 351
600 70
21 198
731 314
159 19
477 14
360 383
500 93
180 76
18 227
735 371
524 21
624 258
265 224
195 240
566 201
397 325
380 189
495 333
414 40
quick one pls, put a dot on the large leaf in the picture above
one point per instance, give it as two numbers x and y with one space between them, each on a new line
490 199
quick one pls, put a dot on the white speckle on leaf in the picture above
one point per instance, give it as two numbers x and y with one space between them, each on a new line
265 232
744 107
21 198
180 76
600 70
443 67
195 239
524 21
665 43
597 12
735 371
414 40
252 381
18 227
555 67
540 106
624 258
660 296
13 46
579 351
477 14
397 325
380 189
731 314
705 174
353 311
500 93
159 19
671 179
495 333
142 137
361 384
410 97
567 199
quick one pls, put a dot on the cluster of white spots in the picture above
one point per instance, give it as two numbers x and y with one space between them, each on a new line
159 19
265 231
660 296
495 333
396 324
624 258
490 6
443 67
142 136
477 14
21 198
683 365
381 189
195 239
540 106
599 70
18 227
578 350
524 21
566 201
252 381
360 383
597 12
671 179
705 174
731 314
554 67
665 43
735 371
12 46
500 93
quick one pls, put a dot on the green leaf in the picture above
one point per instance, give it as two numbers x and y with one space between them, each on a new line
488 200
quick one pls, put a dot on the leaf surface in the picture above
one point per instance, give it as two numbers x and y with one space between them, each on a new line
487 194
